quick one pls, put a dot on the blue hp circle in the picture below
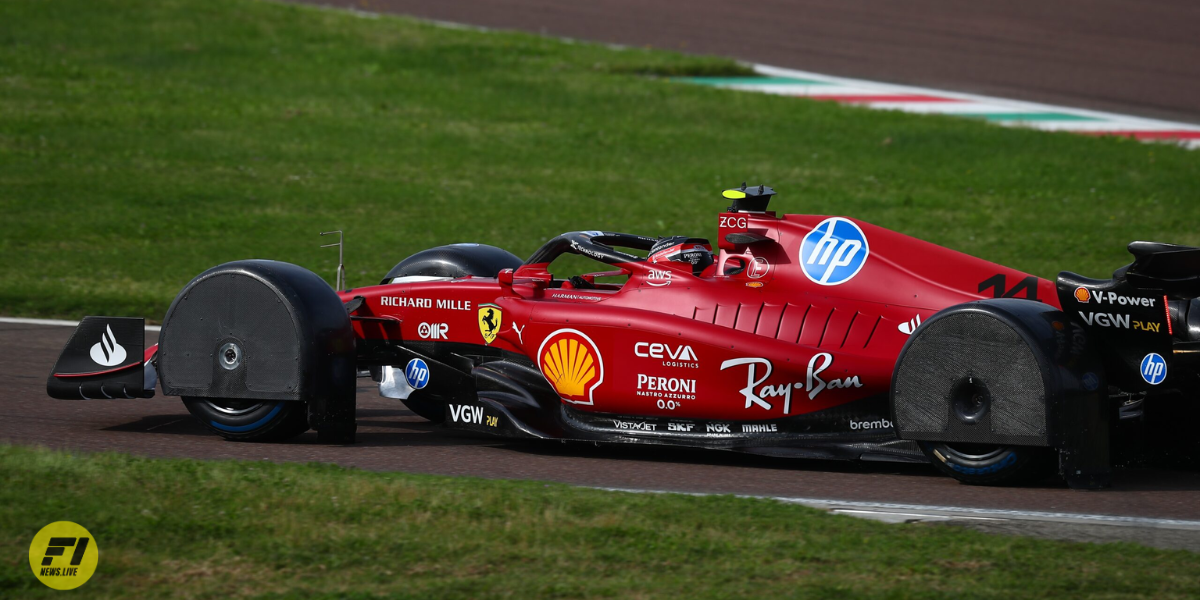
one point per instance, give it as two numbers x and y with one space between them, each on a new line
1154 369
834 251
1091 381
417 373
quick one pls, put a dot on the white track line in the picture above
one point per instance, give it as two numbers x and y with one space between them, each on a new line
57 323
1024 106
928 512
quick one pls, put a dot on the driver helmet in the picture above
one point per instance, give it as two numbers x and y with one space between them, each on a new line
680 248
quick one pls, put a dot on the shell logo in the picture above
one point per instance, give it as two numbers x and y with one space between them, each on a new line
1082 294
571 363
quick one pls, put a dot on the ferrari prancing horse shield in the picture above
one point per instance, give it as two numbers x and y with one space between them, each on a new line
490 317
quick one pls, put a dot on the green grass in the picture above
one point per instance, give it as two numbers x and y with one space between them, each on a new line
192 529
142 142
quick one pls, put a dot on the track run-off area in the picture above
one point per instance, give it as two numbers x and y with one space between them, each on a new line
1157 507
1094 68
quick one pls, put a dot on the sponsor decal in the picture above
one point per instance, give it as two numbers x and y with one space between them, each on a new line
454 304
586 251
659 278
759 428
107 352
668 404
1154 369
877 424
834 251
681 356
910 325
734 222
416 373
1119 321
490 319
1111 298
758 268
717 428
757 390
574 296
999 285
682 427
520 331
571 363
1105 319
666 387
754 284
634 425
1091 381
63 555
432 331
462 413
405 302
1146 326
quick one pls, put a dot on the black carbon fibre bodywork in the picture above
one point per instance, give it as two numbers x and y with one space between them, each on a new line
264 330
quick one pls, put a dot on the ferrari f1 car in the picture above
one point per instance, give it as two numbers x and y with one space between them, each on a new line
800 335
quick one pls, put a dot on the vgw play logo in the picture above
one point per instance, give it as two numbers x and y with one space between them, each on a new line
63 555
834 251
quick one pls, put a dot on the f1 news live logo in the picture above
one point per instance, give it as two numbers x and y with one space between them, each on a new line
63 555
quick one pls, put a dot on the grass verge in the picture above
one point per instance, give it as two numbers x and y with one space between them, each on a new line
193 529
143 141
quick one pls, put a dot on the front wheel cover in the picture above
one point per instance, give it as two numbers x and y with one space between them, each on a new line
990 465
250 420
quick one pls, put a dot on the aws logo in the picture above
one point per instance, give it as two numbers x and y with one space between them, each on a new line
571 362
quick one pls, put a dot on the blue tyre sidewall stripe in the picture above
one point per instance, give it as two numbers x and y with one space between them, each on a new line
252 426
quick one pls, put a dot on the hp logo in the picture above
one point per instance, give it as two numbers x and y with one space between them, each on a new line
417 373
1154 369
834 251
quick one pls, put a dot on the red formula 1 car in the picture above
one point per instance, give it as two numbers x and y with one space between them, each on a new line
808 336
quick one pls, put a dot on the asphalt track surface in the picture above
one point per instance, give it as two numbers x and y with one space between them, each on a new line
1140 57
393 439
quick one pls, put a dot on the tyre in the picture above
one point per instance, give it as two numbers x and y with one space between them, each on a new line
989 464
250 420
455 260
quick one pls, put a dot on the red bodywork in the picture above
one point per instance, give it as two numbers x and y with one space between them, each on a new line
759 344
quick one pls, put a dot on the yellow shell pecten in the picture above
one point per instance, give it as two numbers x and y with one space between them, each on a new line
569 366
